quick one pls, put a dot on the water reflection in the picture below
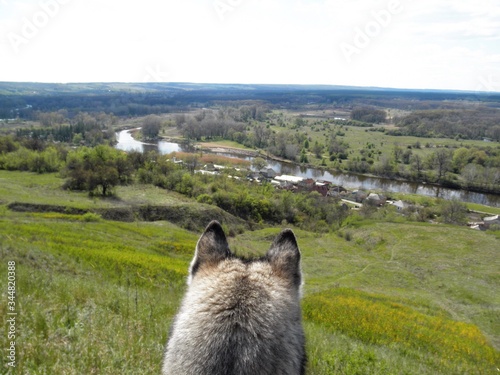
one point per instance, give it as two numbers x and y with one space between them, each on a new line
127 143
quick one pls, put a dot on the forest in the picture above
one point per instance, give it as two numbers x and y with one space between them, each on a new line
476 123
23 100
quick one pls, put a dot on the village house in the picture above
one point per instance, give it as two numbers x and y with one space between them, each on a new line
376 199
321 187
336 191
357 196
268 173
213 167
284 178
400 205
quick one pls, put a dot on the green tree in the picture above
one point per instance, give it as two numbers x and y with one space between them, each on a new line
258 163
317 149
303 156
97 170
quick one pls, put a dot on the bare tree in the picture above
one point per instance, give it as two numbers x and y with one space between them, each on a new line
261 134
471 174
151 126
453 212
397 152
417 164
442 162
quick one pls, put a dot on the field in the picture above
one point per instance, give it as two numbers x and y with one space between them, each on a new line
97 297
359 137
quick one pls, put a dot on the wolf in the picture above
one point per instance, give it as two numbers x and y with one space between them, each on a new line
239 316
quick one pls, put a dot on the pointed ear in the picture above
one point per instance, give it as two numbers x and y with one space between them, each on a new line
212 247
284 257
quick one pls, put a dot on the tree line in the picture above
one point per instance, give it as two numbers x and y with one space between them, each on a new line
83 129
99 170
476 123
466 167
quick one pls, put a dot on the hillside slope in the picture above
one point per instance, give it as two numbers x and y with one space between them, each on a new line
98 296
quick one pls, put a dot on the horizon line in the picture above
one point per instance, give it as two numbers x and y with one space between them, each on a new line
325 85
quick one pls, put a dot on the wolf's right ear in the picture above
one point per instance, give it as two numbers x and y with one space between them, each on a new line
212 247
284 257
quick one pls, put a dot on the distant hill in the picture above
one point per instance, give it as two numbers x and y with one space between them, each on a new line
22 99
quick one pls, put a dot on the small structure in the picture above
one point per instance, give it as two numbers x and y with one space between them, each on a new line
336 190
213 167
491 221
357 196
376 199
284 178
203 171
254 176
307 183
268 173
400 205
321 187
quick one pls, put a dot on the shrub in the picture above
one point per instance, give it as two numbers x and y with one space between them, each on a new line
91 217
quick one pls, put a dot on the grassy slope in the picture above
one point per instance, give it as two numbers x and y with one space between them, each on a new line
98 297
45 189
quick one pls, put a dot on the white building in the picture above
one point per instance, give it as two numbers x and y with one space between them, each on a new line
290 179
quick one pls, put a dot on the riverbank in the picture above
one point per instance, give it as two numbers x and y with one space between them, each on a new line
217 148
350 180
226 149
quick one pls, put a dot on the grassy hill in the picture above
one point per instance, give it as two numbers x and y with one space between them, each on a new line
98 296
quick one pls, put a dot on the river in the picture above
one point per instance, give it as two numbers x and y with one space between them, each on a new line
350 181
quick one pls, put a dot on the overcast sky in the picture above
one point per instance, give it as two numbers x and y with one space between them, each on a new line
437 44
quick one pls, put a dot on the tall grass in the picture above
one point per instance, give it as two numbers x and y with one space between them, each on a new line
75 320
98 297
93 297
445 346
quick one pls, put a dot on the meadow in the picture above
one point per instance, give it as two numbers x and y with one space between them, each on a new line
358 137
380 297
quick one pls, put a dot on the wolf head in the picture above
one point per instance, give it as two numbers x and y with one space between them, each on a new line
239 316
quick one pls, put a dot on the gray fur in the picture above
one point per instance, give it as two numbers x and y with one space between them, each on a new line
239 316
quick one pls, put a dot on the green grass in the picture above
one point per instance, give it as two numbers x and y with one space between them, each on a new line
224 143
380 297
99 296
359 137
483 208
46 188
93 297
436 342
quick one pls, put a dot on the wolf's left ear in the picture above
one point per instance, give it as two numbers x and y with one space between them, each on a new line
212 247
284 257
